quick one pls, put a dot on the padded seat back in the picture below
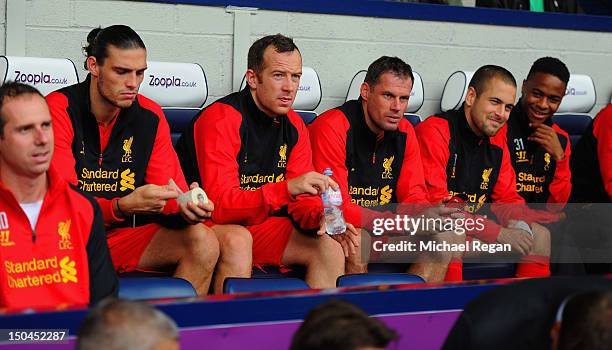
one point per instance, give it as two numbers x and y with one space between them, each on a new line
143 288
235 285
375 279
455 89
414 119
45 74
573 124
180 88
572 115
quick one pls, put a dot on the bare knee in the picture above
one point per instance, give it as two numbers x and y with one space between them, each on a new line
328 251
199 241
235 242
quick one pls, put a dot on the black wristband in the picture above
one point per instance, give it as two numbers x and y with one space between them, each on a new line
121 212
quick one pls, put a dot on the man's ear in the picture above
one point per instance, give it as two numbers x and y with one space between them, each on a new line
251 78
364 91
523 87
92 66
470 96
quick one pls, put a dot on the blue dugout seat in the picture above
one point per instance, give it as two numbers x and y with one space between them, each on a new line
268 279
572 115
235 285
487 270
376 279
297 271
180 88
143 288
417 95
574 125
471 270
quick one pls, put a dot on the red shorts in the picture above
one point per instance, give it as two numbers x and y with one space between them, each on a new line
127 244
270 239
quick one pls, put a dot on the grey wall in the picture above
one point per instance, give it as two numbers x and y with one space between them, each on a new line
336 46
2 26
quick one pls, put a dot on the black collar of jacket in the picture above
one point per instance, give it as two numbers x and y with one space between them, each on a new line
84 87
254 113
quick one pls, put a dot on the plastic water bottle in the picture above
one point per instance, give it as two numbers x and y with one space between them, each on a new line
332 200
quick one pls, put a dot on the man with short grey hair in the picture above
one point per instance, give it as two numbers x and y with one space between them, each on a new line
117 324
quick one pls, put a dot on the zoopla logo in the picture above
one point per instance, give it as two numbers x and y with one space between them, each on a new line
37 78
573 92
170 82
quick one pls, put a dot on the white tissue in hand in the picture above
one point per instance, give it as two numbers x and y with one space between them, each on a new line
197 195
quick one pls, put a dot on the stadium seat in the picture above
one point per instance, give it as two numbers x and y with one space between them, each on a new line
416 95
481 270
572 115
143 288
235 285
574 125
388 267
412 118
308 96
375 279
455 89
45 74
180 88
297 271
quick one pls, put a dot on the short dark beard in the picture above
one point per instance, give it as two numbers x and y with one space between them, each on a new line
101 91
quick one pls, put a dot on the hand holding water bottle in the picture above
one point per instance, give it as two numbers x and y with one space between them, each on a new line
332 211
310 183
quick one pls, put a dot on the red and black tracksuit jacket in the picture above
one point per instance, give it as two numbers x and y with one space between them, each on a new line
539 178
64 260
456 161
592 162
110 162
371 170
243 158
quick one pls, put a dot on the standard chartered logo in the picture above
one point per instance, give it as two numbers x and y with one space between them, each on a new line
68 271
127 180
385 195
36 273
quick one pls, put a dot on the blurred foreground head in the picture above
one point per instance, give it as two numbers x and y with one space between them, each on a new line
339 325
116 324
